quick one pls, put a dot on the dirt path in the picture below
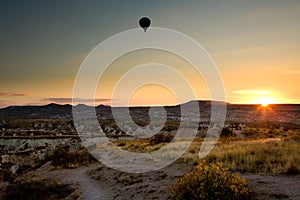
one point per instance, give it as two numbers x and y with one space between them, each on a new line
276 186
154 185
98 182
91 189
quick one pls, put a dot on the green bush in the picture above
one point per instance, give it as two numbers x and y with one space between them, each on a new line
210 182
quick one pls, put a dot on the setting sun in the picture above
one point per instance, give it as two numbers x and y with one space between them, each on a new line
265 101
260 97
264 104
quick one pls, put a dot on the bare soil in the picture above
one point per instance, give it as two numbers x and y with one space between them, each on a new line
97 181
100 182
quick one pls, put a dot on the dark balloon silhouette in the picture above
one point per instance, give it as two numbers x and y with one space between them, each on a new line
144 23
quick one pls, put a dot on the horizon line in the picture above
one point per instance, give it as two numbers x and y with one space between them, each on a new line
132 106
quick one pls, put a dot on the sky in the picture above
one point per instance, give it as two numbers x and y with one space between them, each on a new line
255 45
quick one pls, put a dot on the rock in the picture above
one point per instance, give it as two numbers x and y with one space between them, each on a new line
5 159
14 168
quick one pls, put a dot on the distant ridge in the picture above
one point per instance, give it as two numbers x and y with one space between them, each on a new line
205 102
54 110
45 111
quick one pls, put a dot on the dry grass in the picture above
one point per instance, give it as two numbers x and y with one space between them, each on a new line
257 156
65 159
267 155
267 151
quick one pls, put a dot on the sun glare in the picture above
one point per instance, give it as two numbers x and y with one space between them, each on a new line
265 101
264 104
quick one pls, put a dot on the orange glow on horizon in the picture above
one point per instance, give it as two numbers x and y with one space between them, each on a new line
149 95
264 104
261 97
265 101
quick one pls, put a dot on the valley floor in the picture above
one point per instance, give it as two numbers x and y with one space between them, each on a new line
100 182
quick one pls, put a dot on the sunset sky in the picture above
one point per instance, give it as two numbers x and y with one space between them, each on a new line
255 44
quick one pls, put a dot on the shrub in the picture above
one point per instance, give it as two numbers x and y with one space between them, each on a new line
7 175
210 182
37 189
227 132
62 158
161 138
121 144
292 167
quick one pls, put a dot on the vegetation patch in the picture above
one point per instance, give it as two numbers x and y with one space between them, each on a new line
63 158
210 181
245 155
39 190
258 156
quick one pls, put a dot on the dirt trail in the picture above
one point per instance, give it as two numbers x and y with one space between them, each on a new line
98 182
91 189
277 186
154 185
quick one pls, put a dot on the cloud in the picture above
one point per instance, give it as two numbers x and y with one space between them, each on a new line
7 94
78 100
247 92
